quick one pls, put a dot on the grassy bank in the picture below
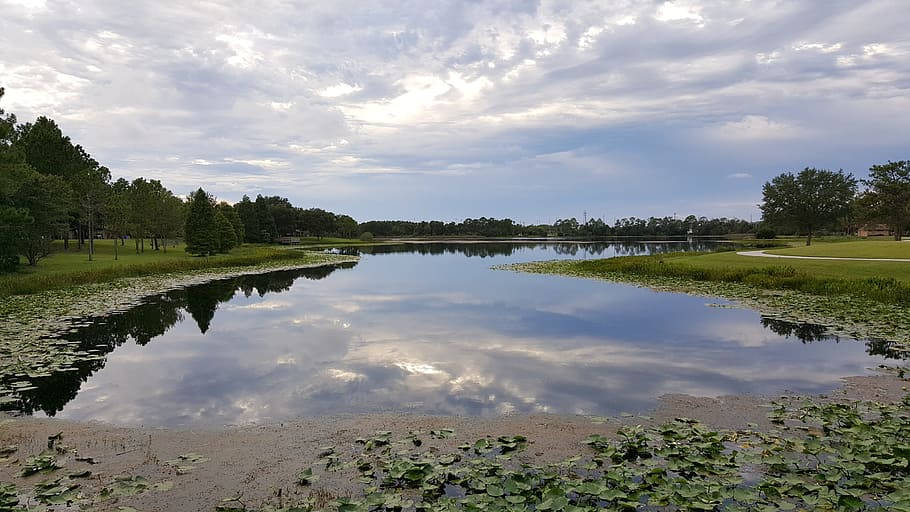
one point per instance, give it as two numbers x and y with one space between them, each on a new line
887 282
64 269
856 249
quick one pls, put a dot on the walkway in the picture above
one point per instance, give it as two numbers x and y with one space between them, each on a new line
766 255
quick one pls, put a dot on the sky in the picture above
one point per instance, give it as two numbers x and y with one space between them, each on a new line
445 109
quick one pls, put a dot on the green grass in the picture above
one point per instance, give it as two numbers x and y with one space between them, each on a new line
821 269
857 249
887 282
63 269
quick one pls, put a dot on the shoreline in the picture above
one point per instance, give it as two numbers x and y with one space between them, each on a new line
257 461
841 316
31 322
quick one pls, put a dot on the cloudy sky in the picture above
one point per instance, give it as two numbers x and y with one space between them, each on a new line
447 109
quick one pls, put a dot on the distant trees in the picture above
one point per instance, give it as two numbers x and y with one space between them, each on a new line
810 200
888 196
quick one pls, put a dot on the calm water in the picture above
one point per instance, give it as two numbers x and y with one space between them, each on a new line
431 329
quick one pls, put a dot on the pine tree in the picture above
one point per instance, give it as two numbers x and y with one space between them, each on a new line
227 239
201 227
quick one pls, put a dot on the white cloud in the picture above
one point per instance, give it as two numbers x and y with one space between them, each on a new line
680 10
820 47
341 89
739 176
421 105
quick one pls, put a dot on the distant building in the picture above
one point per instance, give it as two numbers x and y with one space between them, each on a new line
874 230
289 240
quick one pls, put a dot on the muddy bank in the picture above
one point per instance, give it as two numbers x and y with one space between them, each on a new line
263 461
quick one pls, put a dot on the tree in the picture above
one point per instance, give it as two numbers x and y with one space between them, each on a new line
13 174
227 239
201 229
347 226
811 200
317 222
246 210
142 201
888 197
268 232
230 213
92 190
173 218
117 211
45 198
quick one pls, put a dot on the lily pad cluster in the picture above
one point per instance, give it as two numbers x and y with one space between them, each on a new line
849 456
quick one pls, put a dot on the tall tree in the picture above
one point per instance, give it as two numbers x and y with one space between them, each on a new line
173 217
888 197
45 198
267 229
201 231
227 239
117 212
92 190
246 210
811 200
230 213
142 201
13 174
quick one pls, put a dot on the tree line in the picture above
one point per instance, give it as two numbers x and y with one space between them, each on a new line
52 189
815 200
491 227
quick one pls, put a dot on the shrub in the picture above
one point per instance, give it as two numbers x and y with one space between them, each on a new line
366 236
765 233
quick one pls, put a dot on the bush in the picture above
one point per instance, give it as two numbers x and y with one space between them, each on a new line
366 236
765 233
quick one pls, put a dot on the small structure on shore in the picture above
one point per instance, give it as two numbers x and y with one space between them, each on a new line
868 230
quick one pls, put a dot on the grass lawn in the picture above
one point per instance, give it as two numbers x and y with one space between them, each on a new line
71 268
817 268
858 249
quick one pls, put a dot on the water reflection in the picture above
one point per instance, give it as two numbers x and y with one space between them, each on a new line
424 328
492 249
148 320
809 333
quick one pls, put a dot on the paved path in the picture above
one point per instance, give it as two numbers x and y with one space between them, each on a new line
766 255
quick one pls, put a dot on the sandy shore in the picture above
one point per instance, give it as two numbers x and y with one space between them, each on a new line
263 461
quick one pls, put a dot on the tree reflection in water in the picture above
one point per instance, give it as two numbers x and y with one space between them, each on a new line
146 321
811 333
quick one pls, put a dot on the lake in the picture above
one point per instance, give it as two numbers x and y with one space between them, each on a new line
431 329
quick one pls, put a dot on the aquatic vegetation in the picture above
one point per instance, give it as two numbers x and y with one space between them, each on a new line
856 314
44 462
823 456
32 326
820 455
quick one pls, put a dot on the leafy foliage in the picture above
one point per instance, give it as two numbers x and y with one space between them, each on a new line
888 197
809 201
822 456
